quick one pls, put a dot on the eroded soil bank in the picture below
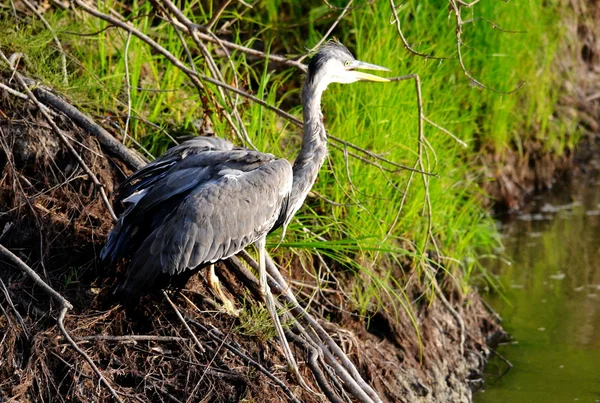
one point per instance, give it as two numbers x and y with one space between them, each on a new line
54 220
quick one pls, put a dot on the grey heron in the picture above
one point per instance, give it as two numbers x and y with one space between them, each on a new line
206 200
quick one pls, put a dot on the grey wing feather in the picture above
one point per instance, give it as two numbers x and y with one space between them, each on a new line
157 169
217 219
178 182
153 192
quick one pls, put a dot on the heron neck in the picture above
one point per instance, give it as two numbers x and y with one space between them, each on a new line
314 145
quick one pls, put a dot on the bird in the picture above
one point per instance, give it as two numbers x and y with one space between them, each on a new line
206 199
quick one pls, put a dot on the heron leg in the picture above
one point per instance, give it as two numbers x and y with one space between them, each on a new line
215 285
272 308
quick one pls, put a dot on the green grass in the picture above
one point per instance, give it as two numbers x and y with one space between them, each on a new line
255 321
383 118
374 228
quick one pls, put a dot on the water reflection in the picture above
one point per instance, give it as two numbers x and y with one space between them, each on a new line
551 303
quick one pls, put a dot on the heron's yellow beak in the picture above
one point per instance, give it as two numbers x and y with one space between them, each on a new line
370 77
357 64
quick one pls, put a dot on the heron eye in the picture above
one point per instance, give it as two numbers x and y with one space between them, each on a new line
347 63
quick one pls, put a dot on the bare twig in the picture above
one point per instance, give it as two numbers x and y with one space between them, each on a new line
63 138
449 133
64 307
397 216
346 370
13 92
494 25
468 5
407 46
429 210
373 155
113 146
217 15
34 276
182 40
205 35
246 359
127 86
66 335
187 327
227 24
206 370
131 338
326 35
14 309
212 66
454 4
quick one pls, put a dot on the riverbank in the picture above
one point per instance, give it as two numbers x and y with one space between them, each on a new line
387 258
439 362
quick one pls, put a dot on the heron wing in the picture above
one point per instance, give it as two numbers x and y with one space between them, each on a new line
157 169
158 190
240 203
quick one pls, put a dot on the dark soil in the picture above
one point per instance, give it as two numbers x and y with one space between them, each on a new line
52 217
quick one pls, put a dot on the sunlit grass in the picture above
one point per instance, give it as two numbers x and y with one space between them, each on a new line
373 222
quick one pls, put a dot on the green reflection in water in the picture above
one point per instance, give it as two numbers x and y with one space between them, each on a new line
553 289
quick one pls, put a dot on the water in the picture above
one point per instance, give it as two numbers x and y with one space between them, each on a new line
552 301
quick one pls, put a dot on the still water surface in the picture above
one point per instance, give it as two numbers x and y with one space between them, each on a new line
551 303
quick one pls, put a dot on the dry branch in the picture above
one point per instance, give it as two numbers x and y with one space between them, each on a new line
456 9
326 35
428 213
64 307
110 144
407 46
333 354
240 130
182 319
131 338
248 360
60 134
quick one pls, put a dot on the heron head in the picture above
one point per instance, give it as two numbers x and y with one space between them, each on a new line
333 63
